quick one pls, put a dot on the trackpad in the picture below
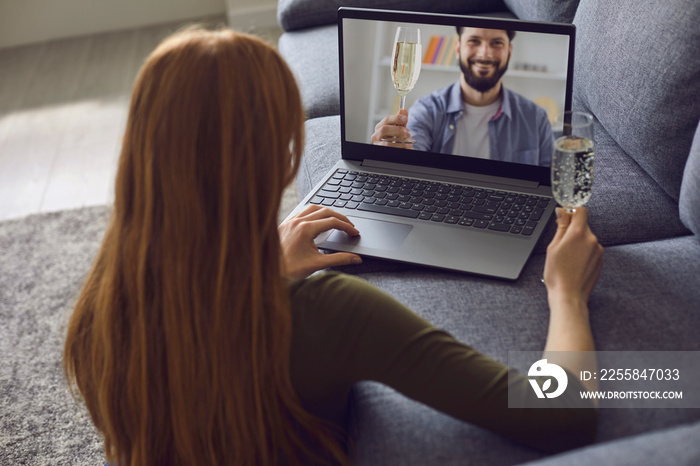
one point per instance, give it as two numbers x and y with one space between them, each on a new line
375 234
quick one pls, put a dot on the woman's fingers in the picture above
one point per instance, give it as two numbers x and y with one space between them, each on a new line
316 212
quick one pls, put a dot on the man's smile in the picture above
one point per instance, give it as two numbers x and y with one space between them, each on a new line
484 67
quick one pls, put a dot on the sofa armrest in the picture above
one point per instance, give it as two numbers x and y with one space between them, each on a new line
690 188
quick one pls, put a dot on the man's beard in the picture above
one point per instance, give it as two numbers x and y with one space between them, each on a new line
482 84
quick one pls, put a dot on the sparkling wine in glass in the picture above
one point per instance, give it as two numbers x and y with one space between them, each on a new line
405 66
572 161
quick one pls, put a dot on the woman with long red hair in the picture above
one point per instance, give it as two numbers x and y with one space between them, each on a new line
197 338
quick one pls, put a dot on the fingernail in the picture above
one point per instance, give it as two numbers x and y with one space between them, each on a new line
557 211
402 119
357 260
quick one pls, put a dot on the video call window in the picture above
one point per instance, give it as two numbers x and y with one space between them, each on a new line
531 68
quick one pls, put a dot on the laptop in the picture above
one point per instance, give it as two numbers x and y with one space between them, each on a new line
478 209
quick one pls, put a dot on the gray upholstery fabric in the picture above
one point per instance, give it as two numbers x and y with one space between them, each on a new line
690 189
321 152
561 11
626 206
297 14
637 68
636 305
316 73
678 446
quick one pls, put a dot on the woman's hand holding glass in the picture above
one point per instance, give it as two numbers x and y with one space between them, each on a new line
574 257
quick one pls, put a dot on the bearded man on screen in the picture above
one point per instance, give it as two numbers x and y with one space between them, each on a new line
476 116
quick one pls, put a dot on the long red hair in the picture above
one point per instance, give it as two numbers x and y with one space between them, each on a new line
179 342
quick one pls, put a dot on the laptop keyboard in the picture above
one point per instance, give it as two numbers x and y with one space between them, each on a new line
466 206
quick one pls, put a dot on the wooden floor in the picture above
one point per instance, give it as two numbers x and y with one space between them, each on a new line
63 107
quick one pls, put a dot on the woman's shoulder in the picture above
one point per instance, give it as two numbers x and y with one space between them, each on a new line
325 282
337 299
331 289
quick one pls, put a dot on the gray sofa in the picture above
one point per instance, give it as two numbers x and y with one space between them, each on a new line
637 71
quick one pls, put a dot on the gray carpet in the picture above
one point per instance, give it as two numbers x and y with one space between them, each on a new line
43 262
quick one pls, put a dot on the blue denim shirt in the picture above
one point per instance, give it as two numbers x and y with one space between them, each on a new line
520 132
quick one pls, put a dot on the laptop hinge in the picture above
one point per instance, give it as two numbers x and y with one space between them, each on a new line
458 176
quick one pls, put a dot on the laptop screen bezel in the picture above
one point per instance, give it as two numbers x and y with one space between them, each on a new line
358 151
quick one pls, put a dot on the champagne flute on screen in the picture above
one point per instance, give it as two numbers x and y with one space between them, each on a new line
405 67
572 161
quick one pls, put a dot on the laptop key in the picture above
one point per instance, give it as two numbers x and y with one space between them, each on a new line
480 224
499 226
536 213
478 215
388 210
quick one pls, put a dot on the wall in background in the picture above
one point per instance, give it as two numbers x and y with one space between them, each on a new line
246 14
30 21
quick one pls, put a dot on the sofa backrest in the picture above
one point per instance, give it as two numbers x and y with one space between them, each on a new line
559 11
298 14
690 189
638 72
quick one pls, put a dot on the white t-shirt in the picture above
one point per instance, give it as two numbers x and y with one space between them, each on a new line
472 130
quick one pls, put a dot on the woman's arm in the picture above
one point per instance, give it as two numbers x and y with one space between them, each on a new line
574 261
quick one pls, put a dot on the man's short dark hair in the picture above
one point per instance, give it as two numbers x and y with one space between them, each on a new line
510 33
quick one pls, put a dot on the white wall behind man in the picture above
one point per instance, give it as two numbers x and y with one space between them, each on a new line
30 21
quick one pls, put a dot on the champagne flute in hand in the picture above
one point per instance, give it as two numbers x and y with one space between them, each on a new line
572 161
405 67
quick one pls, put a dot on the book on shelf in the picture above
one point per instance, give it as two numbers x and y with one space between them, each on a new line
440 51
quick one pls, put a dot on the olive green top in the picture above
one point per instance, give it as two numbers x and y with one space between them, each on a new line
346 330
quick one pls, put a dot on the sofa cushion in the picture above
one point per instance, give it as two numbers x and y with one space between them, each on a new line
690 189
679 443
316 73
298 14
627 204
645 300
637 68
544 10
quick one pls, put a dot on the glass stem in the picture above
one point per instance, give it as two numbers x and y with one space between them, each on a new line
402 102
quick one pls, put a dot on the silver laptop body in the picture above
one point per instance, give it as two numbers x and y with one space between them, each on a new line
476 215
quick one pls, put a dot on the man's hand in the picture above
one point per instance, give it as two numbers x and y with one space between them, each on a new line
392 127
297 234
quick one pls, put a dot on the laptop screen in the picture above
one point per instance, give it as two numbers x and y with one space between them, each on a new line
480 94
